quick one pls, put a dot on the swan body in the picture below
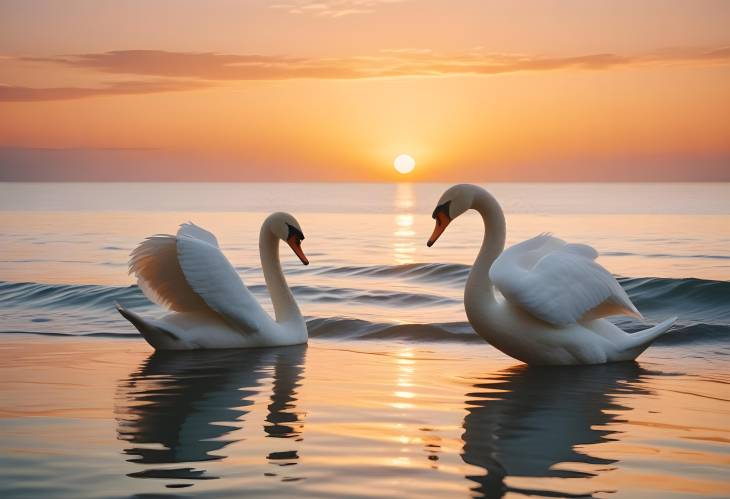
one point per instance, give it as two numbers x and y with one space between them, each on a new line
552 298
210 305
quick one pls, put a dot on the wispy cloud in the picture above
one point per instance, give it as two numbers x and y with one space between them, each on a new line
203 65
396 62
181 71
30 94
332 8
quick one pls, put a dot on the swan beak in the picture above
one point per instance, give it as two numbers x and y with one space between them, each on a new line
442 221
296 246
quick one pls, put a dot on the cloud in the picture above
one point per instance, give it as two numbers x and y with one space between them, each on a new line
387 63
332 8
204 65
181 71
29 94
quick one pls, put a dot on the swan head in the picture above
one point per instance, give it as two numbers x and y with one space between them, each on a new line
454 201
285 227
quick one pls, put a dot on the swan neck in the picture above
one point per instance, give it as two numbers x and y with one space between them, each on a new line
495 229
285 307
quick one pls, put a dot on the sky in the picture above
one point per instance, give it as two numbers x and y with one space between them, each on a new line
334 90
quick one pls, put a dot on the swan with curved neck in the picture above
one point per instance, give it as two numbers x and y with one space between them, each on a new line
554 296
210 305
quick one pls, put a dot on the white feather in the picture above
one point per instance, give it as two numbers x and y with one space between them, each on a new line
214 279
189 273
192 230
558 283
154 263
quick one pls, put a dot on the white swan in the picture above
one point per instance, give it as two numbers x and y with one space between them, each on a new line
555 294
211 306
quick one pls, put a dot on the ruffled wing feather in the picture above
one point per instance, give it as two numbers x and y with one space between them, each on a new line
559 283
189 273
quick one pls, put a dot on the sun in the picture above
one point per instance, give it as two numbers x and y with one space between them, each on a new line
404 164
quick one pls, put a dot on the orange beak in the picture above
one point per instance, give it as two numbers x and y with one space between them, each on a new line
296 246
442 221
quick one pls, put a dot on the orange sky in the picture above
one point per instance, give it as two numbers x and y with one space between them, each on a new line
335 89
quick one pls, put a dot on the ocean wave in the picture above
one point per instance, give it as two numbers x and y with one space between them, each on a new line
697 300
702 305
348 328
328 294
462 332
53 296
692 299
344 328
443 273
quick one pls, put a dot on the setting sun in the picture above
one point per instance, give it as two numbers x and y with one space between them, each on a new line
404 164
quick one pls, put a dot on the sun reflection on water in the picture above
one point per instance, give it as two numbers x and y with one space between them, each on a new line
403 235
405 365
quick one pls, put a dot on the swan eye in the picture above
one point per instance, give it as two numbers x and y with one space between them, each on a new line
442 208
294 232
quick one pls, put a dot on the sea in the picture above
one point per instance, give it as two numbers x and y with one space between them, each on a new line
394 395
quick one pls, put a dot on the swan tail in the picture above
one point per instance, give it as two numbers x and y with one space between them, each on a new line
156 336
638 342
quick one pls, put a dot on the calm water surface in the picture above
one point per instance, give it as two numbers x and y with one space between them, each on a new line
422 408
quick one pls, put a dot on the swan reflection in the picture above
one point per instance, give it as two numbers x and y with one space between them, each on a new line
185 408
526 423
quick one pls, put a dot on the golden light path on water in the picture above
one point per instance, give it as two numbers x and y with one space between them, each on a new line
404 244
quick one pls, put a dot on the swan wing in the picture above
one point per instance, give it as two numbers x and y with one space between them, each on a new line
214 279
559 283
189 274
197 232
